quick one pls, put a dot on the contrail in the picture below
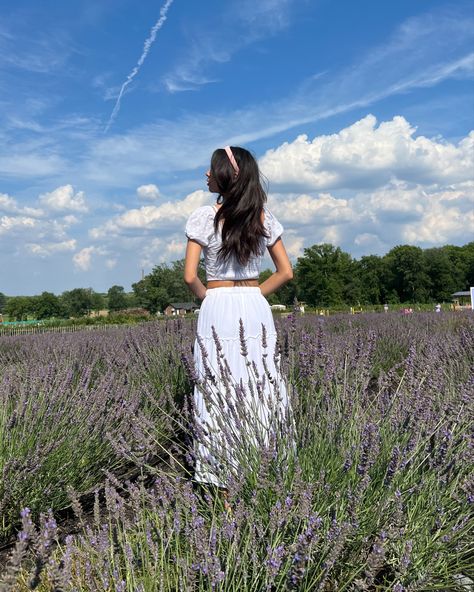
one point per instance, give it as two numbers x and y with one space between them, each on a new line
146 48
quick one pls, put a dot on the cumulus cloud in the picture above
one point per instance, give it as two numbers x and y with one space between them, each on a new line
370 243
47 249
169 214
10 205
83 259
365 155
7 203
445 219
64 199
27 230
15 224
294 244
371 186
306 209
161 250
148 192
365 188
422 52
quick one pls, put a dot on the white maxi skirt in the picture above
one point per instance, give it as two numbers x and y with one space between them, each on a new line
240 401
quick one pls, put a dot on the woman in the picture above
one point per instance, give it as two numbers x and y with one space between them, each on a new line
240 385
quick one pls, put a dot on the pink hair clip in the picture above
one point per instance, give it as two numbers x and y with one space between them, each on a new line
231 156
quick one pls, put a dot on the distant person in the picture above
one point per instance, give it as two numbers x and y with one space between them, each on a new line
438 308
233 234
385 307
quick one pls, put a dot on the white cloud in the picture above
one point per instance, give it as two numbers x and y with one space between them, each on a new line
294 244
330 234
409 189
83 259
187 143
395 188
15 224
27 230
64 199
169 214
445 219
10 205
30 164
364 155
69 220
306 209
7 203
161 250
370 243
422 52
47 249
149 192
111 263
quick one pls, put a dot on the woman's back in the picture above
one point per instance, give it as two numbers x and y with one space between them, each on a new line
200 228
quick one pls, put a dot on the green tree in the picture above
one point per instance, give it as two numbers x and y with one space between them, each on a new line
285 295
48 305
442 274
116 298
77 302
323 276
97 300
3 301
407 273
163 285
369 270
458 264
468 252
19 307
131 300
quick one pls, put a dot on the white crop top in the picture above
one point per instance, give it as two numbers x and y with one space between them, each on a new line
200 228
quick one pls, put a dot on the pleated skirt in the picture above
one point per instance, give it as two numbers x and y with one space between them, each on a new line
241 397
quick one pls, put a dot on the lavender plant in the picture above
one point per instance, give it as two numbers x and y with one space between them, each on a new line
67 401
368 487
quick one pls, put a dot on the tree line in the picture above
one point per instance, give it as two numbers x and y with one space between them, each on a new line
327 276
324 276
74 303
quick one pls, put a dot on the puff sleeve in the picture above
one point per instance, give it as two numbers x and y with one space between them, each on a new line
273 227
200 225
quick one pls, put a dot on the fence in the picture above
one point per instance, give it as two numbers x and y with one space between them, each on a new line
10 331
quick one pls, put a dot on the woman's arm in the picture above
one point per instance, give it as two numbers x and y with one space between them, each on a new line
284 271
191 262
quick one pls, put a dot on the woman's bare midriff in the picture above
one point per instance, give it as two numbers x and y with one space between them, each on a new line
232 283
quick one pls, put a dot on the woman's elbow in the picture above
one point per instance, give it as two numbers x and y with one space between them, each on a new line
189 278
289 274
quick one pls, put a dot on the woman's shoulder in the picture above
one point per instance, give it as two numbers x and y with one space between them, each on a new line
269 216
200 224
203 214
273 226
203 211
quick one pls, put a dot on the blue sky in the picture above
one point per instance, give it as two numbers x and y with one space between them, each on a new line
361 115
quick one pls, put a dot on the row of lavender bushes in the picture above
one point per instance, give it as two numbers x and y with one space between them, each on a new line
377 493
67 400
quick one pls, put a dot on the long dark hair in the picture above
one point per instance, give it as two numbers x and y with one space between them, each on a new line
243 198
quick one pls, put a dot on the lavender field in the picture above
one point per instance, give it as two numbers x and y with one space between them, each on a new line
369 485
